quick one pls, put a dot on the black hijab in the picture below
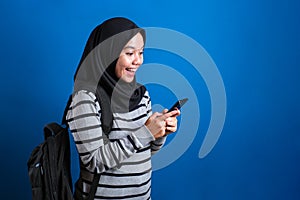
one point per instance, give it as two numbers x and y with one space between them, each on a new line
96 69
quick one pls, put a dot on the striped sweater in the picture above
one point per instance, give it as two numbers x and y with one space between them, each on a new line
123 159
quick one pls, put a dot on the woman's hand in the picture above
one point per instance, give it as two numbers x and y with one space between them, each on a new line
171 122
161 124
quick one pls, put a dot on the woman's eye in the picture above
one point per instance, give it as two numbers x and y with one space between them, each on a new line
129 53
141 53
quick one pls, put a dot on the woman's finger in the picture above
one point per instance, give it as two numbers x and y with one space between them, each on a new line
171 129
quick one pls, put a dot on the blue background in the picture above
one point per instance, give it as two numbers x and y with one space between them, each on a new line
255 44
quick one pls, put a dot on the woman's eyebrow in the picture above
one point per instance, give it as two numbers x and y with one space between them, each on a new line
132 47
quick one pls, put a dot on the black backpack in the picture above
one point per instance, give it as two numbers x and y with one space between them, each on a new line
49 165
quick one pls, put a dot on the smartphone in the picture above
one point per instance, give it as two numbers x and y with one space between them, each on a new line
178 104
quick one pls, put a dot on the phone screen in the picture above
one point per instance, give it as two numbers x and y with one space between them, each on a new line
178 104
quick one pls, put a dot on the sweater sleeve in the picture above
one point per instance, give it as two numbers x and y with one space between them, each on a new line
95 150
157 144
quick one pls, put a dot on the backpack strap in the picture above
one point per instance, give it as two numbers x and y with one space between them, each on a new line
64 120
106 112
94 185
52 129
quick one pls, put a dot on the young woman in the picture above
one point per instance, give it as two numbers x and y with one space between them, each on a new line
112 55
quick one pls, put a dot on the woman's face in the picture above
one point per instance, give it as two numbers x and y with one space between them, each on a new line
130 59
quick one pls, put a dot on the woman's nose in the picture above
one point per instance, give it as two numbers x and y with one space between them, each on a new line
138 59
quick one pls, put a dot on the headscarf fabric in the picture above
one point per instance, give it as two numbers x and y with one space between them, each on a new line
96 69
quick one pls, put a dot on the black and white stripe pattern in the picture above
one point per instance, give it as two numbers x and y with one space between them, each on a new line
123 159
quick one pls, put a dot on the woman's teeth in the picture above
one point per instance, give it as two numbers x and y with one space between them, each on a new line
131 69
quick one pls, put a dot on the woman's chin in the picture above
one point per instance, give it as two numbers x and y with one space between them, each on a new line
127 79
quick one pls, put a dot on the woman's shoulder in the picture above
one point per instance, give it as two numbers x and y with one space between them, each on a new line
146 95
83 95
144 90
